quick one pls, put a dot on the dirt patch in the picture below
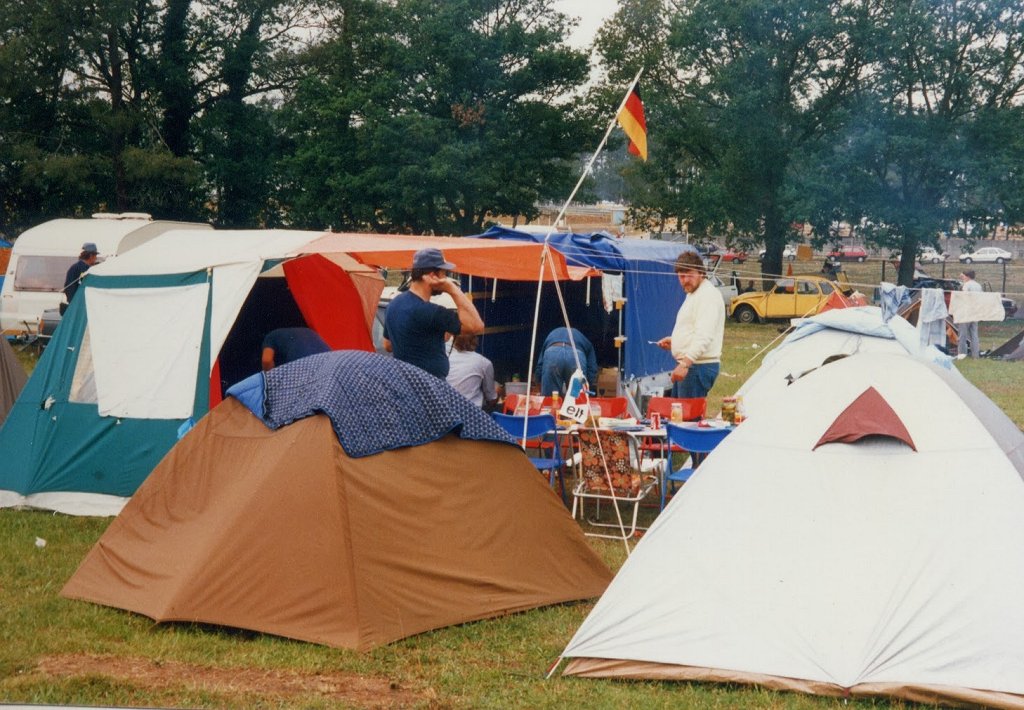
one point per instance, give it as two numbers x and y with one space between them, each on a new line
352 688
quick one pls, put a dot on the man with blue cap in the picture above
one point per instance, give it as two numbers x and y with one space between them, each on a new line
87 259
414 328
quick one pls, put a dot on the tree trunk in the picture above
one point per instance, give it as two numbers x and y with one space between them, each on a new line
176 90
774 242
908 259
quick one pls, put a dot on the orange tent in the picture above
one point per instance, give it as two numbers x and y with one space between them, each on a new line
282 532
507 260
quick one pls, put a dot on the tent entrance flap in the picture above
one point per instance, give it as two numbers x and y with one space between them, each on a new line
160 332
330 302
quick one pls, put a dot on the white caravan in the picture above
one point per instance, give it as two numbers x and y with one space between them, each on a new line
42 255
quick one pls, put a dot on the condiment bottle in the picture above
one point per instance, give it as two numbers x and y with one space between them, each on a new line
729 409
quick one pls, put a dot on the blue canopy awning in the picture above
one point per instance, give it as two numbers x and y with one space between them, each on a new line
650 287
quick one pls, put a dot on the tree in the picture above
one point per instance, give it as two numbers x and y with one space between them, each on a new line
740 89
925 149
434 116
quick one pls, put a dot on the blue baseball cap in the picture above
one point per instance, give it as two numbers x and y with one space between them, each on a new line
90 248
431 258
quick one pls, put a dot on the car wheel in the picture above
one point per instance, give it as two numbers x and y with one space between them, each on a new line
935 260
791 257
745 314
999 260
860 259
968 260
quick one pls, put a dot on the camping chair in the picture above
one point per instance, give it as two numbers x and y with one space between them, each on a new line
615 407
542 439
693 410
32 337
601 447
699 442
536 403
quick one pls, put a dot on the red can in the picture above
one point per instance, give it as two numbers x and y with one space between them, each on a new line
655 420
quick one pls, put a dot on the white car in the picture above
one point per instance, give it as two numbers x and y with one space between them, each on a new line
928 255
728 291
987 254
788 253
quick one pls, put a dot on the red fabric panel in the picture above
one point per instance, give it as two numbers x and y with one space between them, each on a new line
868 415
215 393
329 302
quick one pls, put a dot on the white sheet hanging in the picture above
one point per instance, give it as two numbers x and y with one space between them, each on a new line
231 285
974 306
145 349
611 290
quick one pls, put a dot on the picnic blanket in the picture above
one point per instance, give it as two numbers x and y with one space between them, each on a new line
375 403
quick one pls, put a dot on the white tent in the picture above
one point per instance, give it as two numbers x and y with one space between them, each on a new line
820 339
891 565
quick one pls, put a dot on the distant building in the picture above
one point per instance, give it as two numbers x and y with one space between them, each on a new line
603 217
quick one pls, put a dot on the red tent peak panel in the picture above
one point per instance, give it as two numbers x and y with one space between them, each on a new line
868 415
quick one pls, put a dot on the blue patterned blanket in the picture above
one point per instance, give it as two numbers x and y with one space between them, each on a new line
375 403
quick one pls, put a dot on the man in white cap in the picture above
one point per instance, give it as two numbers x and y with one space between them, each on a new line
86 259
414 328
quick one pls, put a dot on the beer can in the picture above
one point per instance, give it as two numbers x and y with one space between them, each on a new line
655 420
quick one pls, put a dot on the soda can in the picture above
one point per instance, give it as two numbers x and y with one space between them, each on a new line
655 420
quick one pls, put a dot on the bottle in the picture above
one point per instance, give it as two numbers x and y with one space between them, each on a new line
676 415
729 409
556 402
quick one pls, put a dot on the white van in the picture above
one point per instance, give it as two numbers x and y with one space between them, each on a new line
42 255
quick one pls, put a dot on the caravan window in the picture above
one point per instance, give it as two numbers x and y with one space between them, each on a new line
42 273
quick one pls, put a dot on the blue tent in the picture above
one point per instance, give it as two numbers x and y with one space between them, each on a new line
650 287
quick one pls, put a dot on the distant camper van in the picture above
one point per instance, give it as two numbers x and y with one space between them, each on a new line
42 255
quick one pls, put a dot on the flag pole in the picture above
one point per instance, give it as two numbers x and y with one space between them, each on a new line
554 226
593 158
544 260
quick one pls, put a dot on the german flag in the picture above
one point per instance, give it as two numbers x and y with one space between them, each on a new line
631 118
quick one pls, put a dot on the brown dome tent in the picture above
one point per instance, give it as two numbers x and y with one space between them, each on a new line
282 531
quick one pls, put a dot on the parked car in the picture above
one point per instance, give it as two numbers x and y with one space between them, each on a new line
848 253
788 253
713 253
928 255
732 255
987 255
728 291
789 298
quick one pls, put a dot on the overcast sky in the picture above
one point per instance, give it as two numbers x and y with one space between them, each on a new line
591 14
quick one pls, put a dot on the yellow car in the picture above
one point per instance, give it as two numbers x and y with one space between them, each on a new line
792 297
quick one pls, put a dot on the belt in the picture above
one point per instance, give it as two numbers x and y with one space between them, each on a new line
560 345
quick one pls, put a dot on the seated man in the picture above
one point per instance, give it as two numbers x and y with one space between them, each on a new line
470 373
286 344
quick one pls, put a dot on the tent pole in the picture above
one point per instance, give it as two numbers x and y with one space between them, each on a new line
554 667
540 280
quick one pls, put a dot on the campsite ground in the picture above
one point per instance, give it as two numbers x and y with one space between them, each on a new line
53 650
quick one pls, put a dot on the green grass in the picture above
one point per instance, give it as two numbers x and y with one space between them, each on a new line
490 664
